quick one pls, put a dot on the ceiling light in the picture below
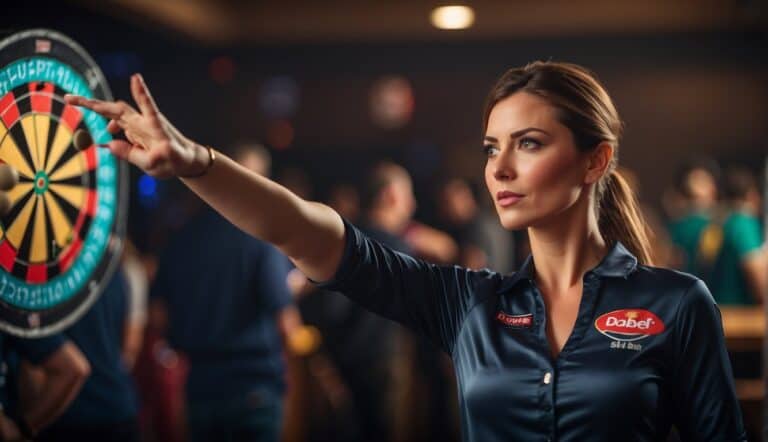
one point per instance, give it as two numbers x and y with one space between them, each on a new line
452 17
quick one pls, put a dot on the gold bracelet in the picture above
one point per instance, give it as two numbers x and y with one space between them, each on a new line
211 160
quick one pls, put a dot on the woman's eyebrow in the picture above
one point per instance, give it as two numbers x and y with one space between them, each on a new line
521 132
517 134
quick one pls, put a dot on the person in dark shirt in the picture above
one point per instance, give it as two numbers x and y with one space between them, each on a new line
361 344
106 408
740 276
587 341
31 402
228 308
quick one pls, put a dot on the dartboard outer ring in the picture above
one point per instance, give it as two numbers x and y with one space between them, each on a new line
61 241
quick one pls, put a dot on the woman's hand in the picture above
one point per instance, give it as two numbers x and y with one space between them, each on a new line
153 145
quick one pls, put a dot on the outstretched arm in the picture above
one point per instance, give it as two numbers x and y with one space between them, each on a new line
311 234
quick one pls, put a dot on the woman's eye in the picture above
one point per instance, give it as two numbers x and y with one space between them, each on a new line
529 144
490 150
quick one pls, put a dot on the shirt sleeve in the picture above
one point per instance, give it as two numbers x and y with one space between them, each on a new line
706 406
426 298
36 350
746 236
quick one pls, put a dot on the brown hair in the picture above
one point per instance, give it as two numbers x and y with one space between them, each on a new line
587 110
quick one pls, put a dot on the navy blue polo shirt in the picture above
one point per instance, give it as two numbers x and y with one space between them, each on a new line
223 289
646 352
108 395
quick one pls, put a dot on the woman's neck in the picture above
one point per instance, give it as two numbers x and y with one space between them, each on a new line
565 249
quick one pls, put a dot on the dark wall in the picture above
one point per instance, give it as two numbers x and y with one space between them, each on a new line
680 95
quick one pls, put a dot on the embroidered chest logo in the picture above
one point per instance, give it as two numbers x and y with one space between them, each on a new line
515 321
626 326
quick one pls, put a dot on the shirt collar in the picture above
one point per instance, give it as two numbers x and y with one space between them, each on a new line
618 263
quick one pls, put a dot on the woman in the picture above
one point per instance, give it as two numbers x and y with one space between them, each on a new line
585 342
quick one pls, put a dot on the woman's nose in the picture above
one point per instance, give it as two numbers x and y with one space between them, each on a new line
504 167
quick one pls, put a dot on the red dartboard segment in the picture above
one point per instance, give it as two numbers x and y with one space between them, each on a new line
90 158
9 111
41 99
71 117
37 273
90 203
7 255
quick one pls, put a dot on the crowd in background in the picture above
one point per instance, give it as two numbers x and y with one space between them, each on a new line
217 335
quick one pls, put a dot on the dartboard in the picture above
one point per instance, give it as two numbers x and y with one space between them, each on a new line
61 239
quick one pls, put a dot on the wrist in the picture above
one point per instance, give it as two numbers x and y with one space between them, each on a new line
203 159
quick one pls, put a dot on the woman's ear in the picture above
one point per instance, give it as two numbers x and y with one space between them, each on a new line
599 160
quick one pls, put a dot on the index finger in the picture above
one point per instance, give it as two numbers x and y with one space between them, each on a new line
109 109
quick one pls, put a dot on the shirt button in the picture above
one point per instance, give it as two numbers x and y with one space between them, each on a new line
547 378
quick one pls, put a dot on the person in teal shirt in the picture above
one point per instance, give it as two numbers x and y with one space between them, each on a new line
691 232
740 275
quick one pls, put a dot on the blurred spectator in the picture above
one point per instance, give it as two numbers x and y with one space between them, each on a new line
254 156
345 199
740 275
481 240
106 408
33 397
691 206
360 344
137 283
228 309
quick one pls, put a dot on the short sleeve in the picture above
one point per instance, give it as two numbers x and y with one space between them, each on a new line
427 298
706 406
36 350
746 236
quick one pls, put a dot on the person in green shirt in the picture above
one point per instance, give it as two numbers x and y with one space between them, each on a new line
692 231
740 275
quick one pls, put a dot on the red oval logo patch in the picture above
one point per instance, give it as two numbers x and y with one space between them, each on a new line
629 324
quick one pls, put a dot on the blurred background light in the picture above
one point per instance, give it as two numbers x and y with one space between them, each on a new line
147 190
280 134
392 102
279 97
222 69
452 17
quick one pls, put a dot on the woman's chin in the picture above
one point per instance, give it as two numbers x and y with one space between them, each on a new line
514 221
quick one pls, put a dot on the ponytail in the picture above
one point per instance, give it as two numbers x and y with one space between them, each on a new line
621 219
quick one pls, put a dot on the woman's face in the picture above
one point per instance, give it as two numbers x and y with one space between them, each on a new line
534 171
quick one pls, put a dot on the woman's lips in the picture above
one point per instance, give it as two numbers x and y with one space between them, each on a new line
506 198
